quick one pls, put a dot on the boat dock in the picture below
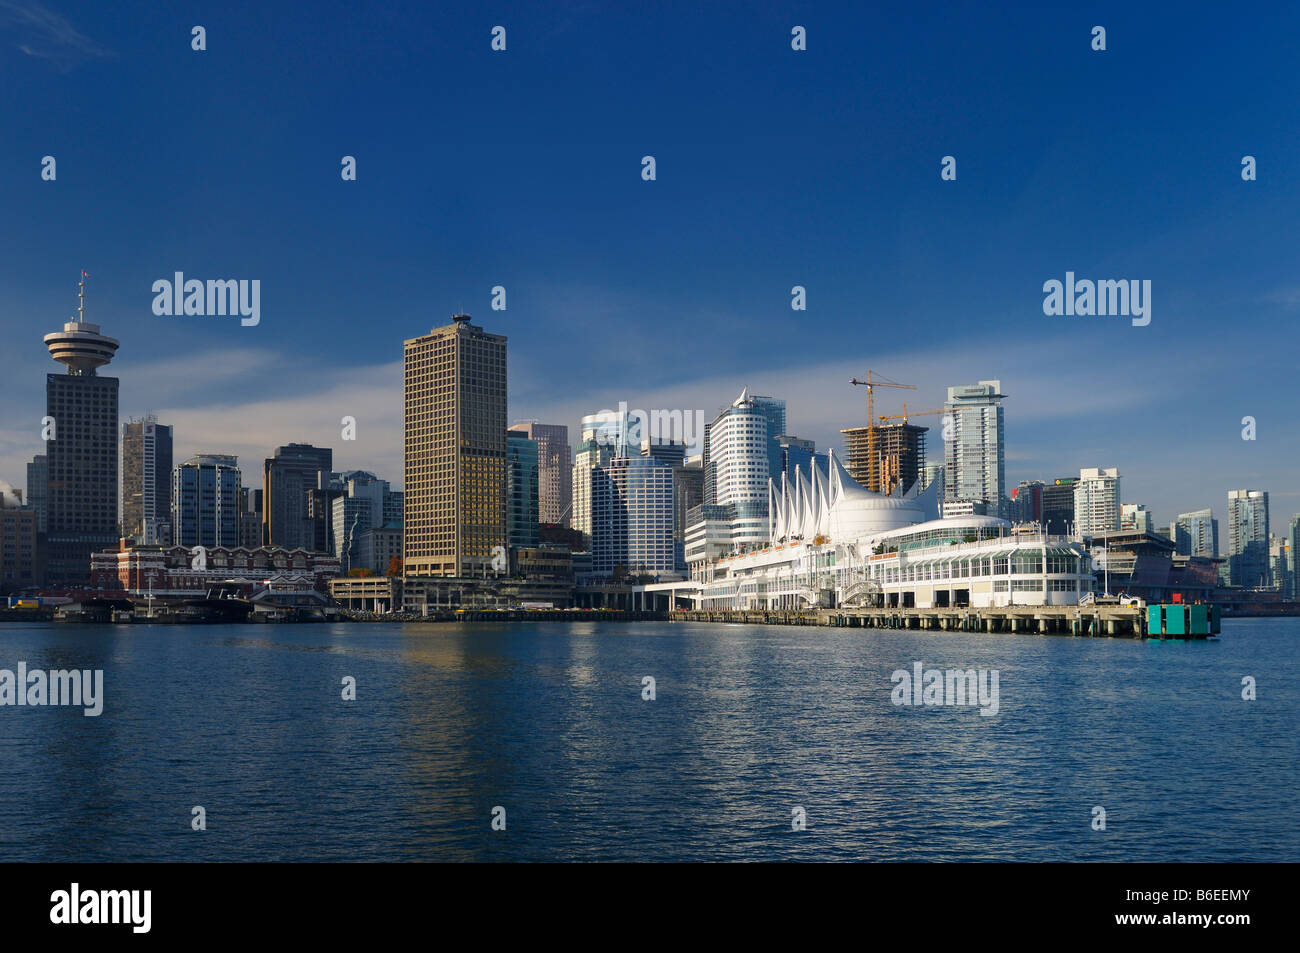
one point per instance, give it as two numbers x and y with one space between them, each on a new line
1103 621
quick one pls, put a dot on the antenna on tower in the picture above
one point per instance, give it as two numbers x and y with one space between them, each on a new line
81 297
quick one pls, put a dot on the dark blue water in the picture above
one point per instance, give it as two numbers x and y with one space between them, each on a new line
548 722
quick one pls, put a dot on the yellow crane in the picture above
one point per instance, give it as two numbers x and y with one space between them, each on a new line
915 413
871 383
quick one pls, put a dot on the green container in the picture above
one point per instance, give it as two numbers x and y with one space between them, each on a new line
1200 620
1176 620
1155 620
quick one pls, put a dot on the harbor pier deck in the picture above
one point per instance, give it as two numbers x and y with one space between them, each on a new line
1104 621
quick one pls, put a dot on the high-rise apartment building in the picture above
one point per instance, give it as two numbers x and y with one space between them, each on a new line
291 517
554 471
1280 574
1196 534
1248 533
455 451
205 501
974 448
1096 501
146 481
81 450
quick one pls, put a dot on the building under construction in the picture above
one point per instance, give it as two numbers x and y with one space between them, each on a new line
900 456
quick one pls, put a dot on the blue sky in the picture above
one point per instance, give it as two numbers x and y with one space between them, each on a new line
775 168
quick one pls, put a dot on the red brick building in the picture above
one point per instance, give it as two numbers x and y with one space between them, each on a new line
165 570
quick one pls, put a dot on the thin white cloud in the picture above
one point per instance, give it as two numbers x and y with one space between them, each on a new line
48 35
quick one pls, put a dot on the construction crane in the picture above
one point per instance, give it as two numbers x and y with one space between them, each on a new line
915 413
871 383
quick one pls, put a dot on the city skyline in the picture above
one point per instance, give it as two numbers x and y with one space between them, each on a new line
352 458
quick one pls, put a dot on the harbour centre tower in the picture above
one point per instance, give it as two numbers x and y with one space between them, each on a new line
81 440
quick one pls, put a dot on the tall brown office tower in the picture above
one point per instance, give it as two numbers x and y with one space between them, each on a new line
81 446
455 452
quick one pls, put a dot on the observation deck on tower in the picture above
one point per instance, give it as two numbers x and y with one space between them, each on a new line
80 346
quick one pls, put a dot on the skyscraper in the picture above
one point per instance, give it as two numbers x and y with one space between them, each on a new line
605 435
797 452
1028 502
358 507
632 517
1248 538
81 495
1293 555
620 430
688 493
250 517
1280 574
523 470
205 501
1196 534
554 478
1058 506
291 518
974 447
146 481
592 453
772 410
455 451
1096 501
741 465
671 452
